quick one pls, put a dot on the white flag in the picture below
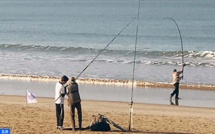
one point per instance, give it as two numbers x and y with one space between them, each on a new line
31 98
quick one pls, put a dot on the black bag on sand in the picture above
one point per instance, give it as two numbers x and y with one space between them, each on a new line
100 126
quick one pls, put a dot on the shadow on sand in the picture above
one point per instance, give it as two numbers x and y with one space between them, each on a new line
87 129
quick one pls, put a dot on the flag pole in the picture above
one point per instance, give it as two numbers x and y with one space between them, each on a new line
27 103
30 98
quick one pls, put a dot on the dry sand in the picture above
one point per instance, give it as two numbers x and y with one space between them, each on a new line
147 118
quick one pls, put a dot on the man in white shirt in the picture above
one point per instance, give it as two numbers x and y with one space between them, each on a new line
59 100
176 80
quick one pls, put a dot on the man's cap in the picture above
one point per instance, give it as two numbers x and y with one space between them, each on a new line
174 70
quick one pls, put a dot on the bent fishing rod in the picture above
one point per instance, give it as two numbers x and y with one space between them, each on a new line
104 48
182 49
135 53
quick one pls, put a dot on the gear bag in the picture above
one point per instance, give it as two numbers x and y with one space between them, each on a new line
99 123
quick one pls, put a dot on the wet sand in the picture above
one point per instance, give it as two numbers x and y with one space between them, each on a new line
39 118
99 92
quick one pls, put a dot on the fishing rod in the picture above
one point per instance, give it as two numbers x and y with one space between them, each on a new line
135 53
105 48
100 53
182 49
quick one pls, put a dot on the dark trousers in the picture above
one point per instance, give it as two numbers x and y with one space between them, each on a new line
59 114
76 105
176 91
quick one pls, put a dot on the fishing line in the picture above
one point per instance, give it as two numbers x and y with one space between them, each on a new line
135 53
105 48
182 49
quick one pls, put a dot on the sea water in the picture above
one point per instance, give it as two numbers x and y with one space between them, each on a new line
53 38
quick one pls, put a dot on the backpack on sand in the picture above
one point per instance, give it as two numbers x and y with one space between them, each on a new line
100 126
99 123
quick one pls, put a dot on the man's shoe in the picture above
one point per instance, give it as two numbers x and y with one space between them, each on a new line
170 97
60 127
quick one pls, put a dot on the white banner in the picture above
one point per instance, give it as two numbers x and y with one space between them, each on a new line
31 98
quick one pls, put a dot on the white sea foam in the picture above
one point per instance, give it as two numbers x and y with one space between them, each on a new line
108 82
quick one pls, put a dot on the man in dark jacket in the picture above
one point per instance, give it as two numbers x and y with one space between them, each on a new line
74 101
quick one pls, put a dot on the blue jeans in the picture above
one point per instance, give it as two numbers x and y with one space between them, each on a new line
176 91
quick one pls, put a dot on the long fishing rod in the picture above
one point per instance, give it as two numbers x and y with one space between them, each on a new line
135 53
182 49
101 52
105 48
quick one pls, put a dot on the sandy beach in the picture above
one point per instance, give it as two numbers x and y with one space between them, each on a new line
39 118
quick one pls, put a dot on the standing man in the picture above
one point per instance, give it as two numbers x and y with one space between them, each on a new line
74 101
176 80
59 101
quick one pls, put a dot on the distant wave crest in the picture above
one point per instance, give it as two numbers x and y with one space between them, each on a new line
40 48
194 54
138 83
192 58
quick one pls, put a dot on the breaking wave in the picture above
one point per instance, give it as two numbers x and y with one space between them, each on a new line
192 58
139 83
39 48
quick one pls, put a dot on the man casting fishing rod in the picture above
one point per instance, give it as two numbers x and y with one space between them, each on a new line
176 74
176 80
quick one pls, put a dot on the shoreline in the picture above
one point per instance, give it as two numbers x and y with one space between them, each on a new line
108 101
147 118
96 81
